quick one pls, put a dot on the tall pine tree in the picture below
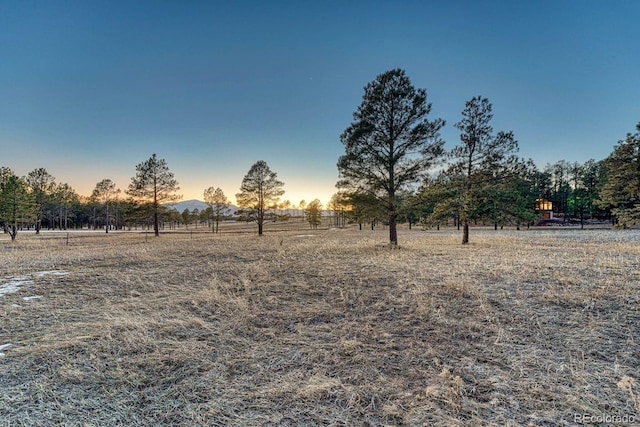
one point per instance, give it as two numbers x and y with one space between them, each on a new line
390 143
481 158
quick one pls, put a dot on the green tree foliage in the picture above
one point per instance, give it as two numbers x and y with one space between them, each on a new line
591 179
541 182
510 196
218 203
106 194
442 197
410 210
481 158
313 213
186 217
560 191
63 200
361 207
42 185
154 184
17 203
195 216
621 192
584 190
260 189
5 173
390 144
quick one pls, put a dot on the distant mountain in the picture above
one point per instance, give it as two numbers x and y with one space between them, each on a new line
188 204
193 204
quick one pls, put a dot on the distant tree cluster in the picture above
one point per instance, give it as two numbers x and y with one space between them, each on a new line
391 147
37 201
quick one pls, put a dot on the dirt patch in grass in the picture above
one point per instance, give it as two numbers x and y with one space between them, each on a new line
518 328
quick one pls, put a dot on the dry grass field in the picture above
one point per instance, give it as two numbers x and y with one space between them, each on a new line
326 327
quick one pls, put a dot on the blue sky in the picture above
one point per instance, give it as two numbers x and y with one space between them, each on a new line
88 89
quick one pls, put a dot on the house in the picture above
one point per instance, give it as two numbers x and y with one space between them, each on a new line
544 207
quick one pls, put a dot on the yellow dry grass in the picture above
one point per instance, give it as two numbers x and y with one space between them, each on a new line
321 327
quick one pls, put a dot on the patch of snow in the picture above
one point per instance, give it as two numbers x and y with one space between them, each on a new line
16 305
4 347
14 285
305 235
51 272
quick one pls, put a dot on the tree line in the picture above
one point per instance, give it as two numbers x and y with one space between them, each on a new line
394 169
36 201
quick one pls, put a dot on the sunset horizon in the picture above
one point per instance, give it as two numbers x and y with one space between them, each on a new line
91 90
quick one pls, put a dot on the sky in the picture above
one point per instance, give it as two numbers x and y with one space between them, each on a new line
89 89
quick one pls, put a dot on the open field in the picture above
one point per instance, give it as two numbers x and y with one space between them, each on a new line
323 327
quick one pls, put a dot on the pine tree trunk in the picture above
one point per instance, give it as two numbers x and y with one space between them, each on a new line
393 232
156 229
465 233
